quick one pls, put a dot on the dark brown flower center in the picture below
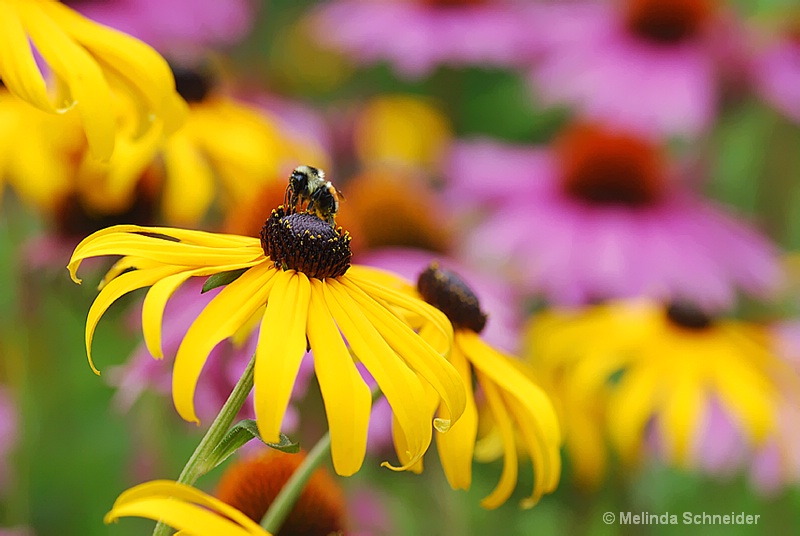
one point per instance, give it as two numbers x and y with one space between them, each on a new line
73 217
446 291
604 167
667 22
193 84
252 485
688 316
303 242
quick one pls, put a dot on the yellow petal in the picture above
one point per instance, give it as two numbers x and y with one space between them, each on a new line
401 299
531 407
417 353
126 264
457 445
147 75
630 407
127 242
18 68
281 346
83 76
508 478
220 319
156 301
114 290
403 450
401 387
346 396
189 189
748 396
543 450
109 186
681 414
153 310
184 508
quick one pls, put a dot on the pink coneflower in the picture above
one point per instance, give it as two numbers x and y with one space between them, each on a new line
776 72
645 64
174 26
416 36
598 215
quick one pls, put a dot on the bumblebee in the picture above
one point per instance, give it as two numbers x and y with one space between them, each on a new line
308 185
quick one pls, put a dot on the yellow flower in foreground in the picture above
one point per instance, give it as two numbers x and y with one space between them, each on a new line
314 298
660 367
185 508
86 60
519 408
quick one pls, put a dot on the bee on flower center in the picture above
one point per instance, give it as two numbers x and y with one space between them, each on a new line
308 185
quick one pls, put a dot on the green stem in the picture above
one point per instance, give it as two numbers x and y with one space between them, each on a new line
282 505
286 499
198 464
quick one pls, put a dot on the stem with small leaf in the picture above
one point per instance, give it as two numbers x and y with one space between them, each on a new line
200 462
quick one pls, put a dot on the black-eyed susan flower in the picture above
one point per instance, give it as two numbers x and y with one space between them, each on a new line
660 371
225 150
520 410
184 508
86 61
298 281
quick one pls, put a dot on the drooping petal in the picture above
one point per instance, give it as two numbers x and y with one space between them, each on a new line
194 248
531 407
281 346
184 508
508 478
147 75
18 68
543 451
406 301
682 413
156 301
417 353
401 387
346 396
457 445
630 407
153 310
127 282
70 62
190 189
220 319
747 395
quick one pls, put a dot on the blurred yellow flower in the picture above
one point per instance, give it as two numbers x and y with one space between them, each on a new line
45 158
224 152
86 61
299 282
518 407
184 508
661 367
402 130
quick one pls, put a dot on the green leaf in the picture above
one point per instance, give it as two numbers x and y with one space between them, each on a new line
222 278
241 433
285 445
